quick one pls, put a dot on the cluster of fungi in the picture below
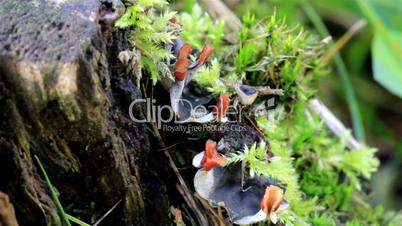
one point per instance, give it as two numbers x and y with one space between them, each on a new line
246 199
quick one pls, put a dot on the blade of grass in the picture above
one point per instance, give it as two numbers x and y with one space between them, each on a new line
53 194
76 220
341 68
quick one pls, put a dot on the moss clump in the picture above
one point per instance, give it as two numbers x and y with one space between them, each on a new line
323 177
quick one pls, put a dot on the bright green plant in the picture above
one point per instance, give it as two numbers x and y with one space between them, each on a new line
319 161
64 216
209 77
199 28
149 32
321 175
323 178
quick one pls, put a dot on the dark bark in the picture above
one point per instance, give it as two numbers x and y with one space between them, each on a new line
62 99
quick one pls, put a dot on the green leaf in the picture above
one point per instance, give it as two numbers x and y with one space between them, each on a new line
53 193
388 12
387 60
76 220
150 66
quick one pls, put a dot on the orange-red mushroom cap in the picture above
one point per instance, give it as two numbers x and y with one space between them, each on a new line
272 199
211 157
206 52
222 105
173 20
183 62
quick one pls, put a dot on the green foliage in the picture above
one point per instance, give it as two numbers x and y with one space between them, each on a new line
148 32
322 220
76 220
209 77
66 217
304 146
323 178
269 53
245 57
198 28
53 194
151 67
387 44
386 61
341 68
321 175
188 5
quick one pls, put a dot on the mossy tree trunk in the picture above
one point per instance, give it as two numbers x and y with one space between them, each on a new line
64 99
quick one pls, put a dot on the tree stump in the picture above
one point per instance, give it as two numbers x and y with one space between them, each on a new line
62 100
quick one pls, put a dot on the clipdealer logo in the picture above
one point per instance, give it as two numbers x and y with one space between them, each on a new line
163 114
165 118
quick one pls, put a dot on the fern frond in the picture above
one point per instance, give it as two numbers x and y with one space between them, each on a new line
151 68
128 18
209 77
155 37
162 20
153 3
153 51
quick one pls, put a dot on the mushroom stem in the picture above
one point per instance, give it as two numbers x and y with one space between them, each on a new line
176 91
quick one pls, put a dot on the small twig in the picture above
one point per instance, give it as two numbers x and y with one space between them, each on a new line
207 206
187 214
182 186
187 195
171 146
353 30
258 129
333 123
342 71
190 201
219 11
266 90
107 213
178 217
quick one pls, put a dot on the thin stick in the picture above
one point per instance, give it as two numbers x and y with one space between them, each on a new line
207 206
333 123
107 213
171 146
219 11
342 71
187 195
190 200
352 31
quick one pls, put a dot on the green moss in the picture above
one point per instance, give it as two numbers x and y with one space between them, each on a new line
148 33
323 178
